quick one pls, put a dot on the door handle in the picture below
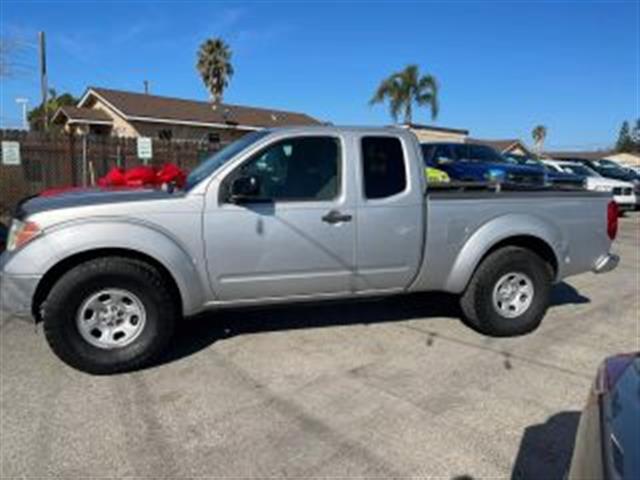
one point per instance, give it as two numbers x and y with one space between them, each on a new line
334 216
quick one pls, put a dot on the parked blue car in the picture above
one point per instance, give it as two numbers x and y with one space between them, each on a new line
470 162
556 178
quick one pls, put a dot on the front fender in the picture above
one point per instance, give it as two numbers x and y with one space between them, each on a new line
496 231
65 240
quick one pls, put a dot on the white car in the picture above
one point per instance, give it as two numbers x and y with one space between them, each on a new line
622 192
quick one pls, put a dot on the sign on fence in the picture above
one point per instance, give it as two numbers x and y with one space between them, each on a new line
145 148
10 153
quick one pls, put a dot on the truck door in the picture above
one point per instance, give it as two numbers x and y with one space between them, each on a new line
296 238
390 214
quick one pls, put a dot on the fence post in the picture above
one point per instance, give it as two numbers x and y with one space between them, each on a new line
84 160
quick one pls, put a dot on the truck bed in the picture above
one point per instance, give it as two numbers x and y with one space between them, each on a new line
574 224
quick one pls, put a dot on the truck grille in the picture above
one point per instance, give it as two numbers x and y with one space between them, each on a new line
622 191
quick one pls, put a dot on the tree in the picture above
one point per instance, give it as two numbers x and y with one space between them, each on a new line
214 65
404 89
624 143
539 134
635 136
54 102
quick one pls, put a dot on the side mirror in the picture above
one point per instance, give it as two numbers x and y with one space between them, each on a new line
244 189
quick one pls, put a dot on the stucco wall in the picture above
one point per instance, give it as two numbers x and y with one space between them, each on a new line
426 135
121 128
625 158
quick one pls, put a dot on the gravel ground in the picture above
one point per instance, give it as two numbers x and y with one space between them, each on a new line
393 388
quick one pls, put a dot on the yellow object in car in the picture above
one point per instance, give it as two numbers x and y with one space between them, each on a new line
435 175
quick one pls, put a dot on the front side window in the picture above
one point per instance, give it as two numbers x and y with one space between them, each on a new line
383 167
218 159
301 168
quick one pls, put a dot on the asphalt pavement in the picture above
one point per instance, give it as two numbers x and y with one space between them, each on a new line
391 388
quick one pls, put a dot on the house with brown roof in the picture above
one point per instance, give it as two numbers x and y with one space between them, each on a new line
130 114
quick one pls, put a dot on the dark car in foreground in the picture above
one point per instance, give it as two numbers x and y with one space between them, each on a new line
4 232
555 177
470 162
608 439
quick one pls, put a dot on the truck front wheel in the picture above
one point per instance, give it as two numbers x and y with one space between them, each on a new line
109 315
509 293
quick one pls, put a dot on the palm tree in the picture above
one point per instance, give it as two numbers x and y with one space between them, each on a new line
214 65
539 133
405 88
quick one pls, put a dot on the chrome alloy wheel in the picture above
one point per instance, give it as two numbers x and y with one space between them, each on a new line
513 294
111 318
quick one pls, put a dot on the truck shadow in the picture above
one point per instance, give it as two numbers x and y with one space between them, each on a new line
545 449
199 332
565 294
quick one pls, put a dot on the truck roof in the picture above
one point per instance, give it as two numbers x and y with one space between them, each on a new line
335 129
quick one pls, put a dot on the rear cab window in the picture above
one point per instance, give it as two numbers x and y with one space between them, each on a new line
383 167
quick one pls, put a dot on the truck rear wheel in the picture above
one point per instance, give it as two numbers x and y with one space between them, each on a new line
109 315
509 293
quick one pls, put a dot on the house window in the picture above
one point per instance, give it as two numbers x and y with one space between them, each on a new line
213 137
165 134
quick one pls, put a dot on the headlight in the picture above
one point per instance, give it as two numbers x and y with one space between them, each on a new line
21 233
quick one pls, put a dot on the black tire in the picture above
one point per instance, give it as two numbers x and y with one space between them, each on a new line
477 301
78 284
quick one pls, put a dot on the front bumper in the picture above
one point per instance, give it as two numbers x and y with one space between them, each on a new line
16 295
606 263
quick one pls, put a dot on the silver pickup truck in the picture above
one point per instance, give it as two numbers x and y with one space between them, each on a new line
297 214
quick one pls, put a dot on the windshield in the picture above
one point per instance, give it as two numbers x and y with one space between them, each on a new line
479 153
607 164
579 170
218 159
524 160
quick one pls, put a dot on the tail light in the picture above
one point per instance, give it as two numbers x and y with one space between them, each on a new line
612 220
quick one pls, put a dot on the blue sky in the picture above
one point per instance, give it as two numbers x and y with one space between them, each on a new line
503 66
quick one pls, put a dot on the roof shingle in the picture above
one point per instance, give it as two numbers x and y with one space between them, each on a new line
154 107
83 115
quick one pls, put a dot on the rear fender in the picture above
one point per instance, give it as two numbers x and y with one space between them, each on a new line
497 231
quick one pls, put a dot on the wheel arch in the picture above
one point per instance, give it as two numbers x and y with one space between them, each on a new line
528 232
65 265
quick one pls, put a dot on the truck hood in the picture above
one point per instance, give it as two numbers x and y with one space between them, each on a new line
89 197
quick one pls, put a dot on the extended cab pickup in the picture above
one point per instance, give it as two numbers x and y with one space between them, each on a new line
296 214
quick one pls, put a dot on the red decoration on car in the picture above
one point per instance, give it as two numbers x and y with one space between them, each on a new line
136 177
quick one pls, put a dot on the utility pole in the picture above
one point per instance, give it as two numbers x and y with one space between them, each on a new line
43 80
23 101
146 87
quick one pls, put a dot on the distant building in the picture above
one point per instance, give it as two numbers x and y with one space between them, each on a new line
104 111
430 133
